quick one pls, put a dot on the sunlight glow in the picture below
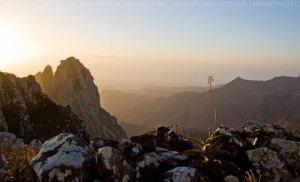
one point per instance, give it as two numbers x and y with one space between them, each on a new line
14 46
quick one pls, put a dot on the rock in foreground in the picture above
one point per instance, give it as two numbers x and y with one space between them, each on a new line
66 158
62 158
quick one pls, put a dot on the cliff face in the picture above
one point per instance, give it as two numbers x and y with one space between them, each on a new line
28 113
72 84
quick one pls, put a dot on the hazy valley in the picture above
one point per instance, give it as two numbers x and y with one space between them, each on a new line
272 101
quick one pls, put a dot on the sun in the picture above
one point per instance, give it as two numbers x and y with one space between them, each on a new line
15 47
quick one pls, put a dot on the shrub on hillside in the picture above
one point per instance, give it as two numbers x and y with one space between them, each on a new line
17 162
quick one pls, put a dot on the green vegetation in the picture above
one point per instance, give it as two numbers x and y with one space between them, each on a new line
207 149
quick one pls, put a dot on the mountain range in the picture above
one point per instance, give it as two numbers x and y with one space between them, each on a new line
272 101
68 100
160 91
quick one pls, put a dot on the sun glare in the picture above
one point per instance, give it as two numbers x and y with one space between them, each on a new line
15 47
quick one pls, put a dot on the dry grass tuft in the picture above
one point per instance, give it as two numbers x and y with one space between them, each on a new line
17 162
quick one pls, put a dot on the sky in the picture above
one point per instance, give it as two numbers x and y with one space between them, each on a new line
167 42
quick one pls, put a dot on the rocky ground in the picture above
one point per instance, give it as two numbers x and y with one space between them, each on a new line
256 152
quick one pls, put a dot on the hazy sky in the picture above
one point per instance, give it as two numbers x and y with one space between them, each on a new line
162 41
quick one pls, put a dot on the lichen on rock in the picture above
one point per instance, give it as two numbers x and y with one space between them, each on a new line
62 158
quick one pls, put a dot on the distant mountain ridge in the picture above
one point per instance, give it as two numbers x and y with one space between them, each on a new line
72 84
275 101
162 91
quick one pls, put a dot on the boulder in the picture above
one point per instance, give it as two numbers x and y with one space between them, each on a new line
170 159
146 140
62 158
289 151
177 142
252 129
7 138
262 133
161 135
217 170
269 165
183 174
129 149
231 178
230 139
256 129
10 139
151 165
19 143
111 165
147 167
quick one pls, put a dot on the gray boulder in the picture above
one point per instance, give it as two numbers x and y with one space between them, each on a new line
230 139
151 165
183 174
129 149
289 151
62 158
147 167
217 170
7 138
147 141
111 165
10 139
176 142
262 133
269 165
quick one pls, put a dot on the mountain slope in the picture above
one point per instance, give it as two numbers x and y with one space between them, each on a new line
30 114
124 104
276 100
72 84
134 130
161 91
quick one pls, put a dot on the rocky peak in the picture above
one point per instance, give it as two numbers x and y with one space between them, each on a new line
29 113
72 84
45 76
48 71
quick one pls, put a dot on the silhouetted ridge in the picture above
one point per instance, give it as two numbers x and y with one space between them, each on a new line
30 114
